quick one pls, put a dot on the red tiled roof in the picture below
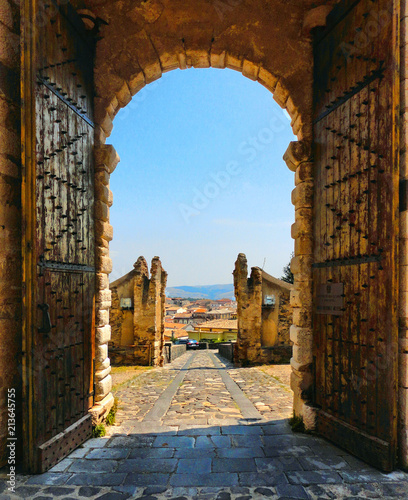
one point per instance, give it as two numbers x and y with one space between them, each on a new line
225 324
174 326
183 315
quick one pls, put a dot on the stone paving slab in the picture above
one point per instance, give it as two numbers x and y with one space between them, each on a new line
186 455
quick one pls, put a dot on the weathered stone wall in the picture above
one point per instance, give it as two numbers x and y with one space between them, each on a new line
285 319
149 302
115 319
262 338
130 355
10 214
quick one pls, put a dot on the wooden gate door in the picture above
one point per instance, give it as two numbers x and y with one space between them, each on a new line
58 232
355 271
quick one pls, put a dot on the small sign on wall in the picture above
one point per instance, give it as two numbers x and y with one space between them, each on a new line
126 303
330 299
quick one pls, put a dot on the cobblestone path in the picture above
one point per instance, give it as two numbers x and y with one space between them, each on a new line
203 394
201 429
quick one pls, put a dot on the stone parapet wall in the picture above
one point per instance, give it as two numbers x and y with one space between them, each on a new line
172 352
227 350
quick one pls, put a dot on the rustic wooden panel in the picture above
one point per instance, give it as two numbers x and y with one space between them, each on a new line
356 226
62 234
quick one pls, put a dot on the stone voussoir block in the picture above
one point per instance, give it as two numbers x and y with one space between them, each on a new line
300 368
304 173
301 298
103 388
302 195
302 317
281 94
101 353
101 374
302 227
102 364
136 83
102 250
250 70
123 95
106 156
103 177
267 79
217 59
102 192
302 337
104 230
105 264
101 211
102 281
104 296
103 334
303 245
301 264
102 318
302 355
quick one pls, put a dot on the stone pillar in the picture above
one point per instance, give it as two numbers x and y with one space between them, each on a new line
149 302
403 287
106 160
10 215
248 293
297 157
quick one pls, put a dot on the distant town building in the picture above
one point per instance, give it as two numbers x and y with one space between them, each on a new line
224 330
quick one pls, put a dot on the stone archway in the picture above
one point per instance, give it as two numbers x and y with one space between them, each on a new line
267 41
124 65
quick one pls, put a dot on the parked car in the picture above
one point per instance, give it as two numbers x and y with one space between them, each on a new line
192 344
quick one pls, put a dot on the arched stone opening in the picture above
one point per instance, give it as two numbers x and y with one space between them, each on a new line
298 159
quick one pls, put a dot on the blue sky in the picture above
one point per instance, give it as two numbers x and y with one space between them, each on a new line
201 178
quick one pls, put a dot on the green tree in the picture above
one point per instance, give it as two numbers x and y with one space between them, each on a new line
287 273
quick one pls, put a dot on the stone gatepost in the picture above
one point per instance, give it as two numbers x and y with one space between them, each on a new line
298 159
106 160
248 292
149 302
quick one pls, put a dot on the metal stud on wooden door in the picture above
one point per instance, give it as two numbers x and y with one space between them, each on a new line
59 262
356 228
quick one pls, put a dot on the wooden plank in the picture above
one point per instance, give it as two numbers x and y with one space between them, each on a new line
64 443
370 448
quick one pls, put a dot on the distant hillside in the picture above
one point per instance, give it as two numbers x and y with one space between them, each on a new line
212 292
